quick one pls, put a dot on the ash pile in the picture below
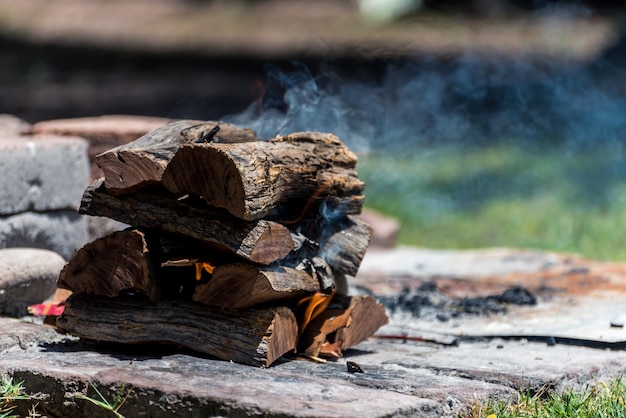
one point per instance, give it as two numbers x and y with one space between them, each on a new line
429 303
237 248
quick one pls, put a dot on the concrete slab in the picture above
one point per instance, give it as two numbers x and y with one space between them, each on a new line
60 231
42 173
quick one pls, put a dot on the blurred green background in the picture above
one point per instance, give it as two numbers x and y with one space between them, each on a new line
478 124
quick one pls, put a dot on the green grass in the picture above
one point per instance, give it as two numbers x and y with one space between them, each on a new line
550 198
105 404
10 391
599 401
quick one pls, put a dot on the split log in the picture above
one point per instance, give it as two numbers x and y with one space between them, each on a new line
240 285
112 265
344 244
255 337
341 244
279 177
131 166
261 241
339 328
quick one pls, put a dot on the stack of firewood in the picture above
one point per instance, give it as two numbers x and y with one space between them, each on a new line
237 248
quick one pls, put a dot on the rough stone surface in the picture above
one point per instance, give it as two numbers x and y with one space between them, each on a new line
409 369
42 173
61 231
27 276
102 132
399 379
12 125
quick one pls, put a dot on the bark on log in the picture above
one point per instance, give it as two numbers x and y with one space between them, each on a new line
239 285
339 328
270 178
131 166
112 265
255 337
261 241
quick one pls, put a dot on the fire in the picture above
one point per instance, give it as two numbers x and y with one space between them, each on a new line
203 266
315 305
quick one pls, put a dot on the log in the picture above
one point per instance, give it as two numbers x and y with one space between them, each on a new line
239 285
344 243
339 328
260 241
255 337
341 243
278 178
112 265
131 166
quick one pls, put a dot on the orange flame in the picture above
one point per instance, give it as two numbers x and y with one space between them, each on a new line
315 305
203 266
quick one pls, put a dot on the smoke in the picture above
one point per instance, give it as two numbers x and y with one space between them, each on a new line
469 100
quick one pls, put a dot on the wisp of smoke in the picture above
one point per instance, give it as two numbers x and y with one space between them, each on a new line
466 100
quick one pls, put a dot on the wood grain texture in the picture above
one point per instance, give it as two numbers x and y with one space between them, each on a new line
258 241
275 178
255 337
131 166
242 285
345 323
111 265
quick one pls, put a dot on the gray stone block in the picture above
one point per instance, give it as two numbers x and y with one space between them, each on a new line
41 173
12 125
27 276
63 231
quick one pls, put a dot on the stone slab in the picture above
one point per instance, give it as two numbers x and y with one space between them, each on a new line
42 173
401 376
27 276
63 232
577 298
399 379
